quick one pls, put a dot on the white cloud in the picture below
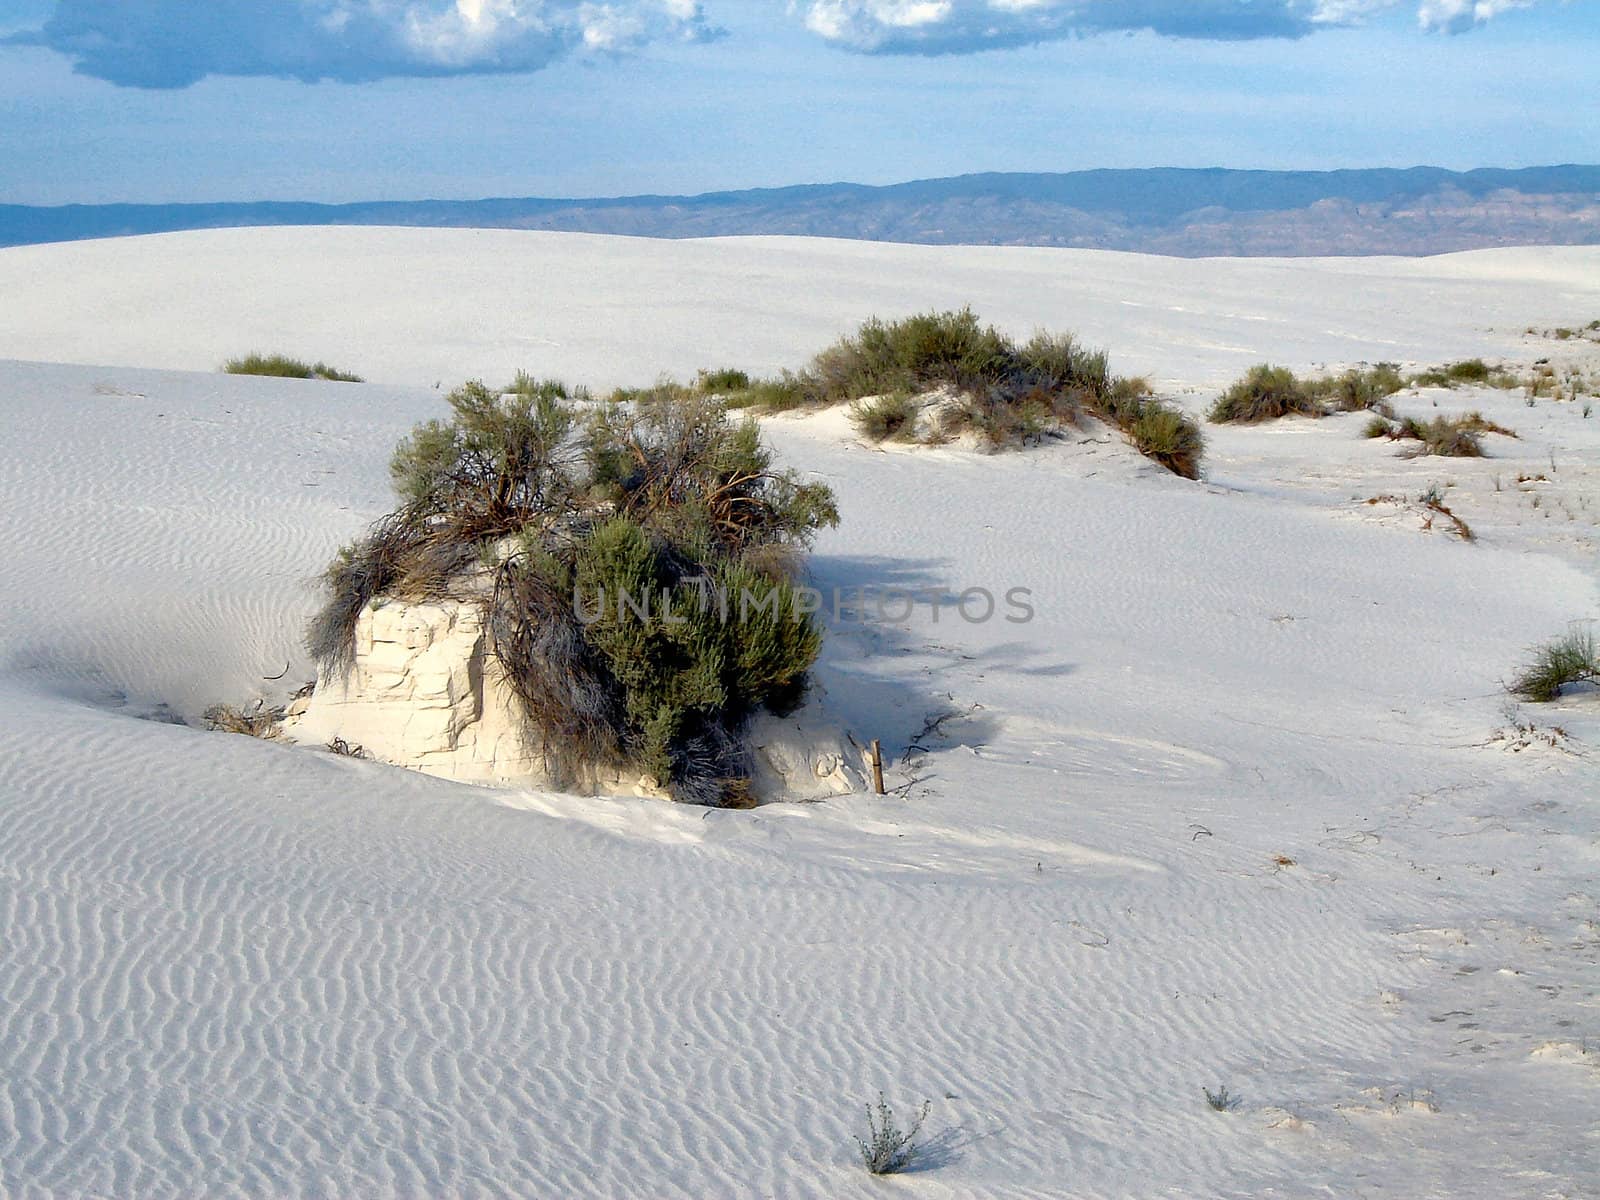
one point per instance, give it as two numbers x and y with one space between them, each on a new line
961 26
173 43
1456 16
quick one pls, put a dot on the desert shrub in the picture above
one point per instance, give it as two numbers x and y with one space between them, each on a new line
258 720
1265 393
1057 362
534 388
692 476
1449 437
1476 422
647 513
1357 390
1558 664
500 459
662 389
1004 393
1470 370
284 367
1018 412
702 652
915 354
887 1149
781 393
1221 1100
1168 436
1377 427
883 417
778 394
1125 398
722 381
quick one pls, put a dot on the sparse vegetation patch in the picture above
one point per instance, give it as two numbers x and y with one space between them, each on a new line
256 720
1447 437
1559 664
1002 392
283 367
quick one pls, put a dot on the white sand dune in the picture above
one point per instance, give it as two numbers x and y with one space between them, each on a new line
235 968
418 306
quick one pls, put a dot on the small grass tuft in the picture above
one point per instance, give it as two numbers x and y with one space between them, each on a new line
888 1150
256 721
530 387
880 418
1221 1100
1558 664
1469 370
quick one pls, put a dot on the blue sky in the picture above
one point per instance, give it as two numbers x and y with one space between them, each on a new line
169 100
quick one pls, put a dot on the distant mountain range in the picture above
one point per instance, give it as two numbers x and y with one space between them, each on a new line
1421 210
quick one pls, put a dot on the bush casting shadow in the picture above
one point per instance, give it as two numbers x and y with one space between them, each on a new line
523 502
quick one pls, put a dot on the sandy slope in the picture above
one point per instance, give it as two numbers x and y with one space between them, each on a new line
236 968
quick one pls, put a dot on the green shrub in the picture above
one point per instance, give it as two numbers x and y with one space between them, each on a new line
1057 362
1470 370
1377 427
1264 394
1170 437
928 350
666 501
1357 390
880 418
283 367
688 677
1558 664
781 394
1017 415
497 462
1125 399
722 381
534 388
1004 393
1448 437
